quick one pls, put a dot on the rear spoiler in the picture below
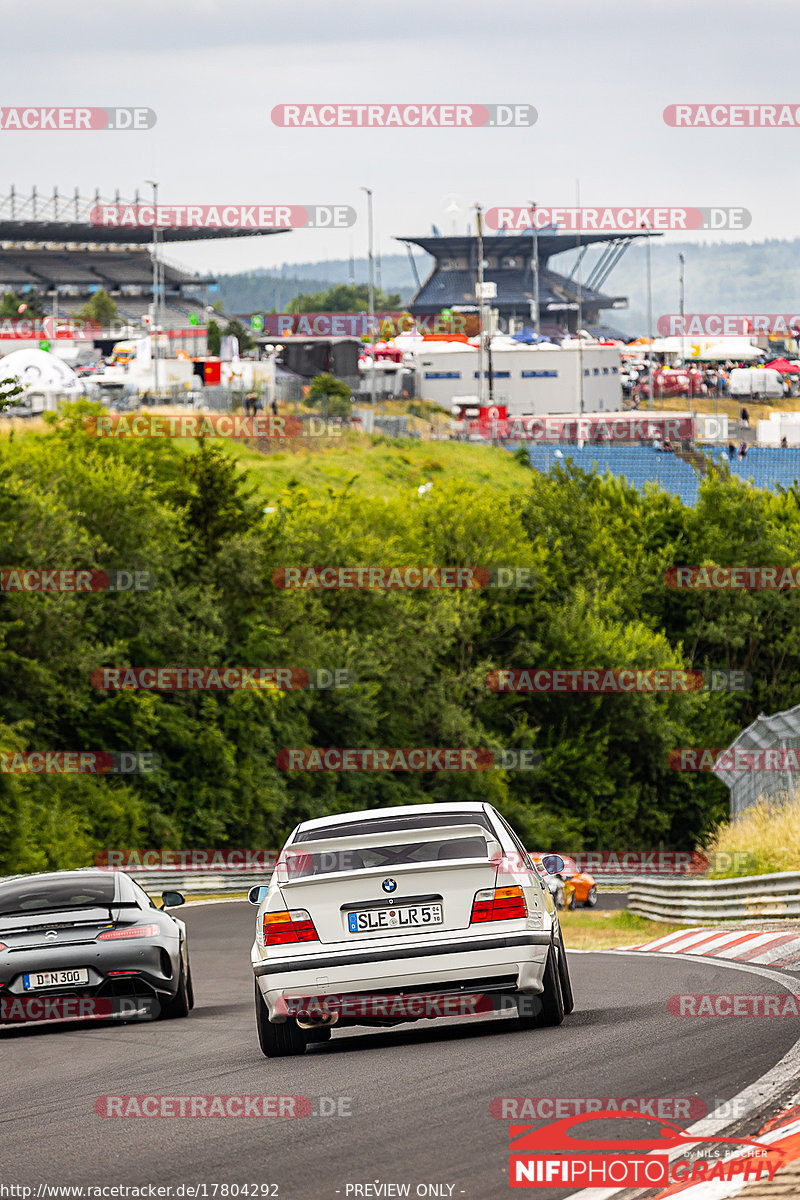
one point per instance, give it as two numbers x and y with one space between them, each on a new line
400 837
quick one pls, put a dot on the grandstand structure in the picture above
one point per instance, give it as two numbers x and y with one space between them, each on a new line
509 262
49 244
764 467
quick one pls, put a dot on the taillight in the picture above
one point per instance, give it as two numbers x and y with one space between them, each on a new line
3 946
499 904
294 926
129 931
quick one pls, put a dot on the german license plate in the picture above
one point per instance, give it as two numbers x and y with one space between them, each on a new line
47 979
405 916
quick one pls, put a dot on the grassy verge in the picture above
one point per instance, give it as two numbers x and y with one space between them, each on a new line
764 839
603 930
374 465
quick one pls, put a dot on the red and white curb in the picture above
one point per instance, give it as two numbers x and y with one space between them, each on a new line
774 949
784 1143
768 1087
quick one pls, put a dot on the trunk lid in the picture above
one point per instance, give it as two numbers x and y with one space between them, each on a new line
423 880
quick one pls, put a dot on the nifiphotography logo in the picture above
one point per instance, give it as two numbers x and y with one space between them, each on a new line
553 1156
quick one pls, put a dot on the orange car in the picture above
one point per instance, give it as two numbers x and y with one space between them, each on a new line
579 887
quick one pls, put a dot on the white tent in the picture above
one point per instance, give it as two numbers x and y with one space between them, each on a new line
736 349
36 369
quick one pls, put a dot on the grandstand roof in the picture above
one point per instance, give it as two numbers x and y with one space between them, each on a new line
60 220
548 243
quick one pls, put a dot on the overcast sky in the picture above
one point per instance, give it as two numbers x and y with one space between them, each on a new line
600 76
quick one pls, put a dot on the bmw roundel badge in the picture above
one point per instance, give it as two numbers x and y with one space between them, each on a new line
389 885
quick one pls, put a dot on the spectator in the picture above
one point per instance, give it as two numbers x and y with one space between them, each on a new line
667 446
657 444
784 444
731 450
744 417
742 449
274 407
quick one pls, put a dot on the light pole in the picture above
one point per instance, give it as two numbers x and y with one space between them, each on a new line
649 317
535 266
682 261
371 261
154 320
481 310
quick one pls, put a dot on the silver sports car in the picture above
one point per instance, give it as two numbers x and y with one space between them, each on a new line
89 944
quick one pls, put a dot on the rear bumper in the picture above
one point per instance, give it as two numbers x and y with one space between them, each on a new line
520 956
155 961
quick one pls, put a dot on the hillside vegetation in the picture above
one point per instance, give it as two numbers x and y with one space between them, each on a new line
194 516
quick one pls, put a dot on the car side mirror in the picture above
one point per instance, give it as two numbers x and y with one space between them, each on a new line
553 864
257 893
172 899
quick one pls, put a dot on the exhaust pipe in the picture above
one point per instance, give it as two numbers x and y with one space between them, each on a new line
321 1020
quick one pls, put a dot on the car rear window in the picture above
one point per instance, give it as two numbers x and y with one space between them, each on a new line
302 864
54 895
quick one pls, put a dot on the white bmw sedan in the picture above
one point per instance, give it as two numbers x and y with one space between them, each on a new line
396 914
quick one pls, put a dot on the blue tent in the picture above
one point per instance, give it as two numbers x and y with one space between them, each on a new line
529 336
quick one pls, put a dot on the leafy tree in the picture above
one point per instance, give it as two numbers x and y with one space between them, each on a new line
344 298
213 338
236 329
9 306
36 304
100 307
331 394
9 390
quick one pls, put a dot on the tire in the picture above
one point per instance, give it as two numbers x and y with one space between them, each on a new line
277 1041
539 1012
189 986
179 1005
570 904
559 898
591 899
564 979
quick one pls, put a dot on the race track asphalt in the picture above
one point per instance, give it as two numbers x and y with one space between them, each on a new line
414 1100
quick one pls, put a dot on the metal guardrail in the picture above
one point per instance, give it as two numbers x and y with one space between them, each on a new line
754 897
155 882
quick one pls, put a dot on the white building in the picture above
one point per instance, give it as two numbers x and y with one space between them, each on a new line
528 380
